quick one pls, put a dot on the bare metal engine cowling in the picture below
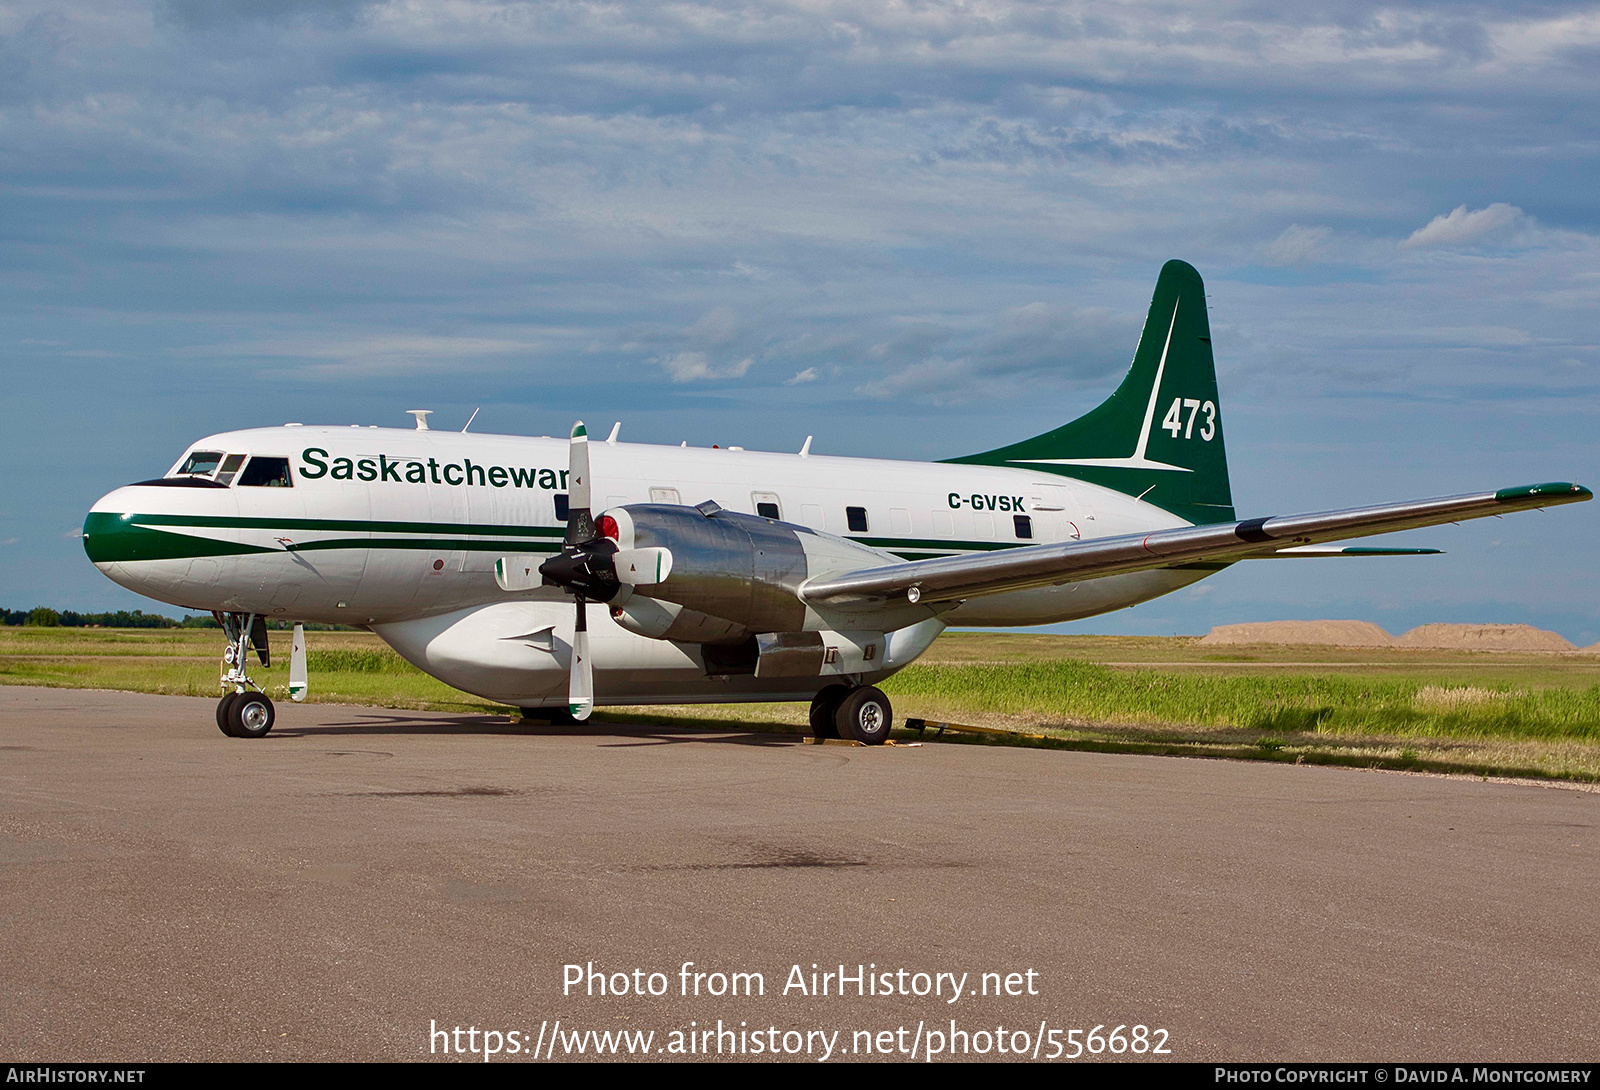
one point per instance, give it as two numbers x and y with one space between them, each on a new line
733 575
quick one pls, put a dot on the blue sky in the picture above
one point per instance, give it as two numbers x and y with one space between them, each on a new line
913 230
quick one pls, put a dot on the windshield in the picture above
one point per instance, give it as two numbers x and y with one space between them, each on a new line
201 463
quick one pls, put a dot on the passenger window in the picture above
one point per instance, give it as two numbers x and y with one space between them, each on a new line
856 519
202 463
563 511
1024 525
665 495
230 468
267 473
768 510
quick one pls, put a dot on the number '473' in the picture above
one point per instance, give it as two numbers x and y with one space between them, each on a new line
1175 423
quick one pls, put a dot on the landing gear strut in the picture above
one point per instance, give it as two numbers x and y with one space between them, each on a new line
244 710
861 714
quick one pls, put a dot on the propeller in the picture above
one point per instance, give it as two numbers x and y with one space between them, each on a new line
590 566
582 567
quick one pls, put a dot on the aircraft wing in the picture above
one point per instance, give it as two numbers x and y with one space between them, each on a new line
959 577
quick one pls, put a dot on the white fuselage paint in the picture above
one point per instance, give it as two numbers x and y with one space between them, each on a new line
415 560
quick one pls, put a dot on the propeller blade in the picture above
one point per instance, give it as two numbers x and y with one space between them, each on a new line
580 686
297 664
580 523
642 567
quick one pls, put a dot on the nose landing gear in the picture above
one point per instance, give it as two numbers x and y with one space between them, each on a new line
244 711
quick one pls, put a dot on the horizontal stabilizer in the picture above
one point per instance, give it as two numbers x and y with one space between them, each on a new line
954 578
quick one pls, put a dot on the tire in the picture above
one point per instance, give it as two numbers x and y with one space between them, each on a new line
865 716
556 717
251 715
224 707
823 707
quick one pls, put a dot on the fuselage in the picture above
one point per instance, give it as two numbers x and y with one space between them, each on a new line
399 530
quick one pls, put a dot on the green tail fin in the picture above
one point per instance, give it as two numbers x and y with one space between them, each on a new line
1159 437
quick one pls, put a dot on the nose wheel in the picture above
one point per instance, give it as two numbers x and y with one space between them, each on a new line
244 711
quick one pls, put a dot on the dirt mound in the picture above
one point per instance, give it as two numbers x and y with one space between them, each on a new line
1484 637
1592 649
1334 633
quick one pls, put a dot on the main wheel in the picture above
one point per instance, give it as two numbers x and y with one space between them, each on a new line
823 707
865 715
251 715
224 708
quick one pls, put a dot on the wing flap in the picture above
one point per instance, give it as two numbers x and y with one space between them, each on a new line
959 577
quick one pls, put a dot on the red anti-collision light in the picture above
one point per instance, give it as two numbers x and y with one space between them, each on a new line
607 527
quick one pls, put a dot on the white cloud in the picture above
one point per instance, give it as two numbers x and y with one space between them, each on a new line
808 375
1296 246
695 366
1462 228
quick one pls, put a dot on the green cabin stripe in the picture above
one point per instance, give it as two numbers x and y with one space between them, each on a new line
124 541
1185 419
109 537
104 522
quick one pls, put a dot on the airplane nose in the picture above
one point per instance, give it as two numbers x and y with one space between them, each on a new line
134 543
110 534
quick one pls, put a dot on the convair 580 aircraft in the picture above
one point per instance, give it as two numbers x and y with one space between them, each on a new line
721 575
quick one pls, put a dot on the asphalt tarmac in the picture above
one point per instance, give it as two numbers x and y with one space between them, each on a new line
362 878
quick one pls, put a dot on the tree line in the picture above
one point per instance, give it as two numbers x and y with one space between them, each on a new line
45 617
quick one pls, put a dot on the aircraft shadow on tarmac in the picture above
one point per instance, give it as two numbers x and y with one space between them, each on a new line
622 734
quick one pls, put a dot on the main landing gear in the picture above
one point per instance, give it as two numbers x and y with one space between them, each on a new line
860 714
244 711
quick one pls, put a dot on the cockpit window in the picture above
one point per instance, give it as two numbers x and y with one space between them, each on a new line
202 463
268 472
230 468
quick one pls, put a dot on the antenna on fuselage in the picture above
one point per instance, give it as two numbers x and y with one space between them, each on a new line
471 418
805 449
615 429
422 417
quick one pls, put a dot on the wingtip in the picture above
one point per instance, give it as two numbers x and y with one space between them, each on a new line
1548 492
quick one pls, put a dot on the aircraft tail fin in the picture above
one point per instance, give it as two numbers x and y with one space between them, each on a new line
1159 436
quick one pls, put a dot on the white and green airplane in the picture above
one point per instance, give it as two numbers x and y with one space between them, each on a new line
723 574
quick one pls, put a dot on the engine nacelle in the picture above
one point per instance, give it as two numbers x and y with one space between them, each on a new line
732 575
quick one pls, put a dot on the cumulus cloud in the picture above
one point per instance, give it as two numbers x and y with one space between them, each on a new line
802 377
1459 227
1296 245
714 347
692 366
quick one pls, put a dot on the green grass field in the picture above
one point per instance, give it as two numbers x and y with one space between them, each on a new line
1466 712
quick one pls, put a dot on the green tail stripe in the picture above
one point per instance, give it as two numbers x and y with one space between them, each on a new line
1159 436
